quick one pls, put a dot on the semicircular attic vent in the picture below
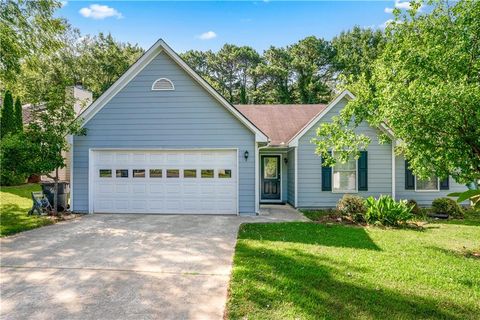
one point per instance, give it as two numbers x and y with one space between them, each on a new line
163 84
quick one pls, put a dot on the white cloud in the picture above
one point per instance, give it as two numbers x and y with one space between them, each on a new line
405 5
386 23
207 35
98 12
402 4
63 3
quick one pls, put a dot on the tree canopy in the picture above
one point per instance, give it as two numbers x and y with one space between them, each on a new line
27 29
425 86
300 73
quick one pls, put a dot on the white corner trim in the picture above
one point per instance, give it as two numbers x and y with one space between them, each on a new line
257 181
163 79
296 176
393 171
72 159
90 181
238 181
145 59
345 94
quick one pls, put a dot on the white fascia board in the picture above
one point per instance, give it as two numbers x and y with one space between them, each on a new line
345 94
141 63
385 129
138 66
259 135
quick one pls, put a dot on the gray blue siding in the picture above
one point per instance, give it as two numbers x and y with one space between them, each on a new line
291 177
310 192
188 117
423 198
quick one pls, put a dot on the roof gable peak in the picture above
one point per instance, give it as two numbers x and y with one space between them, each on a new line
141 63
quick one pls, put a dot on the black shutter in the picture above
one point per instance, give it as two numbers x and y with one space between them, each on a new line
444 184
326 176
363 171
409 178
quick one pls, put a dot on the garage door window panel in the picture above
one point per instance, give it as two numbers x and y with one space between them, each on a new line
138 173
105 173
225 173
208 173
156 173
190 173
173 173
122 173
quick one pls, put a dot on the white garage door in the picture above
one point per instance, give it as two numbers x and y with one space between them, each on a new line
165 181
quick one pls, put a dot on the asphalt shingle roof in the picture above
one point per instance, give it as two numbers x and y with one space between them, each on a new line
280 122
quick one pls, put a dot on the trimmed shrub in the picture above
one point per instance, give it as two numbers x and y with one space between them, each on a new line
352 206
447 206
11 179
386 211
416 210
11 150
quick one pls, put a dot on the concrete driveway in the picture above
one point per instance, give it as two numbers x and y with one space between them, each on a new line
123 267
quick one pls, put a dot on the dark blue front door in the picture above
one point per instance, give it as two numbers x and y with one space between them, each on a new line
270 179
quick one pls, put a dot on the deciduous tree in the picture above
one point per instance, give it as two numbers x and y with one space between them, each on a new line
103 60
425 86
27 29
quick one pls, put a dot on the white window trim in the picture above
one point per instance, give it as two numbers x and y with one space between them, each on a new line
431 190
356 179
159 79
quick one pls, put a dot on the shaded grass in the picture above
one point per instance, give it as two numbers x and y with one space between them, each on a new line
14 205
316 271
316 215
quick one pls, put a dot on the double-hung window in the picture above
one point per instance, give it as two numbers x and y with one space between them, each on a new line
345 175
430 184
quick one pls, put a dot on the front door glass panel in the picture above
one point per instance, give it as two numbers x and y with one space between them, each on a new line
270 167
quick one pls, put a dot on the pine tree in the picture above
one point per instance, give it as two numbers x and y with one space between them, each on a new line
7 122
18 116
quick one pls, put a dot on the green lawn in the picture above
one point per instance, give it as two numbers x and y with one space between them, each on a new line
14 205
317 271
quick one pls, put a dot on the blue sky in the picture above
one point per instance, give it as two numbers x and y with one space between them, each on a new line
208 25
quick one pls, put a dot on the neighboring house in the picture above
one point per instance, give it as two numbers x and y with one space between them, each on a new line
162 140
82 99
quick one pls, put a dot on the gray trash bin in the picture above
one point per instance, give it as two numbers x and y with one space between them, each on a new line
48 188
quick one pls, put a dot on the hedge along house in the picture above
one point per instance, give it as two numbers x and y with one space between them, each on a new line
162 140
